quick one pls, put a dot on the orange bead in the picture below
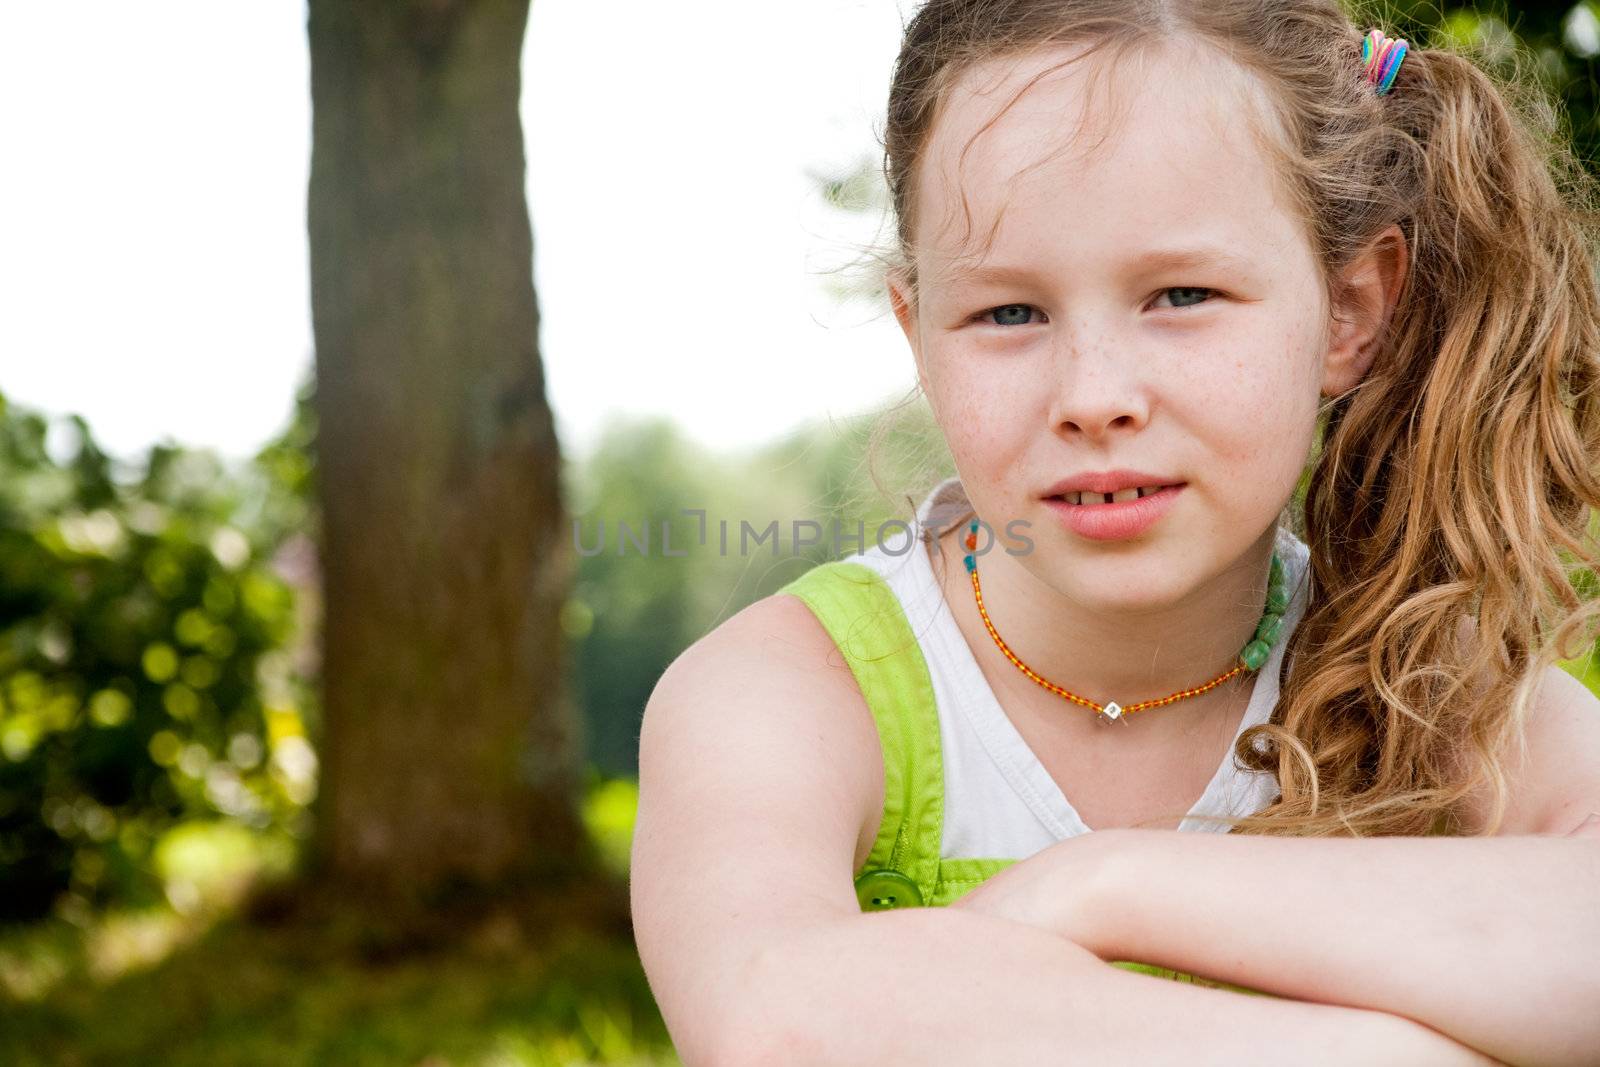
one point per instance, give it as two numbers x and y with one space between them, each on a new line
977 592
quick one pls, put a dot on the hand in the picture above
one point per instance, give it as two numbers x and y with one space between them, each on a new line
1062 888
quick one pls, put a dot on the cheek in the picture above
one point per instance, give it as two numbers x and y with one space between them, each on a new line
984 416
1257 415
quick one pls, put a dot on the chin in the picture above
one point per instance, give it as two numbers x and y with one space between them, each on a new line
1126 586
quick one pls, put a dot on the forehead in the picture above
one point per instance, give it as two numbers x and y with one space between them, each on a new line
1151 150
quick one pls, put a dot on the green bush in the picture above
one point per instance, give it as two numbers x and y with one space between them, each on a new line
145 667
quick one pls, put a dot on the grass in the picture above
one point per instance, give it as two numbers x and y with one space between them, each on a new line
244 995
216 977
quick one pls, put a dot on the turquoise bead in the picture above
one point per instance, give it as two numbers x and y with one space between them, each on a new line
1268 629
1255 654
972 564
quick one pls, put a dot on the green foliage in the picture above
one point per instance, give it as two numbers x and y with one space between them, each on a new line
141 985
635 607
1552 46
154 623
259 998
610 809
143 631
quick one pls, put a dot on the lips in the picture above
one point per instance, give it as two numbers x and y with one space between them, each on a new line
1115 521
1109 482
1120 496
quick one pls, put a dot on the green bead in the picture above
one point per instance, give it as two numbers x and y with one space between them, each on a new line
1277 568
1255 654
1277 600
1267 629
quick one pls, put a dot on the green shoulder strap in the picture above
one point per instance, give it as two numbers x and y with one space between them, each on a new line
864 617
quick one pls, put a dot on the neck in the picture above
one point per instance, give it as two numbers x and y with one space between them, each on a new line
1127 652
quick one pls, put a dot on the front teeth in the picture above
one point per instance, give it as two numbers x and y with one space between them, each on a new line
1120 496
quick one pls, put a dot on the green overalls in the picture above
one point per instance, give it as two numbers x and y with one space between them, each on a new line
904 869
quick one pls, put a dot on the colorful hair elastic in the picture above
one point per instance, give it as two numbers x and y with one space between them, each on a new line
1382 57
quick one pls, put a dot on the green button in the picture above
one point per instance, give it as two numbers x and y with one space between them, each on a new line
879 889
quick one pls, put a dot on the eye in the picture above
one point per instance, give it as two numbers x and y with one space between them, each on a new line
1189 292
1006 315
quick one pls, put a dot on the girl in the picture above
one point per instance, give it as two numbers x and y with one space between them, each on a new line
1156 264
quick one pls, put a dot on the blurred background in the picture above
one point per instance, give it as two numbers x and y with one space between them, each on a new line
354 360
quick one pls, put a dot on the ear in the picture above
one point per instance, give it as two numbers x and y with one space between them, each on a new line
903 300
1367 292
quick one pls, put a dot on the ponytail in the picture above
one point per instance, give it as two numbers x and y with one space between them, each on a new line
1448 508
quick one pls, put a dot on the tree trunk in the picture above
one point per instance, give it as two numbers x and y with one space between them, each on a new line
449 748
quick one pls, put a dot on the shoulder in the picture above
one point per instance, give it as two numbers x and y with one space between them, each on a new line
1562 778
768 687
755 782
1555 783
778 636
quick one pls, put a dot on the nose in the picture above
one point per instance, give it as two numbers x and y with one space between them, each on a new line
1096 391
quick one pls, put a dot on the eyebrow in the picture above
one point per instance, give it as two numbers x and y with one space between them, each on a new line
1153 259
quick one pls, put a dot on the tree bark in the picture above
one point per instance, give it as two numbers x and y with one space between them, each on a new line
450 750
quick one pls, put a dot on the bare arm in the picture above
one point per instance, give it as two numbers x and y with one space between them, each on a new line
946 986
760 786
1477 937
1488 939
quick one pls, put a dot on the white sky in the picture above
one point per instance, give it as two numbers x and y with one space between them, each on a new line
153 264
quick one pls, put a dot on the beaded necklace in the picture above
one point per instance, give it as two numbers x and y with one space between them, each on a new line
1251 657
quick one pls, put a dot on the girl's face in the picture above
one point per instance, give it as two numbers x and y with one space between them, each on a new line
1148 303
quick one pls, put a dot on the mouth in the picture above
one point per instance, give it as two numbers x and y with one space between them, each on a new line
1114 516
1082 498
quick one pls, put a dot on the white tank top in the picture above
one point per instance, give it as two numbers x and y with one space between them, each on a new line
999 801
